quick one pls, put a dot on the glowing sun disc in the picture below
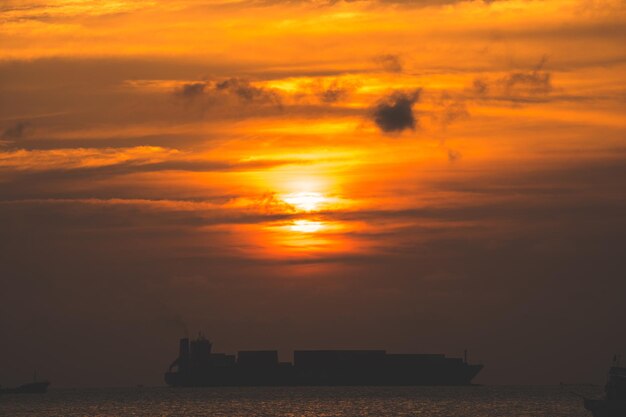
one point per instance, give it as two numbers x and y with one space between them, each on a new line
305 201
306 226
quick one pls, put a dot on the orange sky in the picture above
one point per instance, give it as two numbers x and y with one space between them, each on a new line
377 160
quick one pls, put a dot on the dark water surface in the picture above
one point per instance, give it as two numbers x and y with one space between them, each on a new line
300 401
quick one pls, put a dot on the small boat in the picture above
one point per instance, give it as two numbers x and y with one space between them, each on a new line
614 405
30 388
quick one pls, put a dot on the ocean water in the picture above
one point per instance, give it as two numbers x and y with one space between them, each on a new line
474 401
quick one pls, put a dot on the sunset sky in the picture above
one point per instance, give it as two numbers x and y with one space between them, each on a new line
411 175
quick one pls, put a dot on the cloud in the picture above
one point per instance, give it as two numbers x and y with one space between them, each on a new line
480 87
330 3
427 3
535 82
15 131
389 62
517 86
191 90
454 155
192 256
54 165
79 213
246 91
333 91
394 113
449 108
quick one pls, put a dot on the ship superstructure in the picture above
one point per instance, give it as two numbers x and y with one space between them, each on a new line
197 365
614 404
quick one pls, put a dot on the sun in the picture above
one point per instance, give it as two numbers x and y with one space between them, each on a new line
306 226
305 201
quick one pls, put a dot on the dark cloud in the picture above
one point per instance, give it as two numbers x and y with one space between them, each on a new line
247 92
535 82
394 113
454 155
191 90
518 86
480 87
332 95
242 89
389 62
15 131
333 91
449 108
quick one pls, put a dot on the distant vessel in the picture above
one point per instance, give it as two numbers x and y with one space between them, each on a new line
30 388
614 405
197 366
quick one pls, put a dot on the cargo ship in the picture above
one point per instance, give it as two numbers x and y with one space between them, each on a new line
198 366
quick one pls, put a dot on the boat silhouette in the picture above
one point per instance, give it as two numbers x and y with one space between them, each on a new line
29 388
197 366
614 403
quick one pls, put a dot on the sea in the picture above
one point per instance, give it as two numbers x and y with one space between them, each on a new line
470 401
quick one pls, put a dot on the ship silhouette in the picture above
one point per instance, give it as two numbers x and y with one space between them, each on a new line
614 403
198 366
35 387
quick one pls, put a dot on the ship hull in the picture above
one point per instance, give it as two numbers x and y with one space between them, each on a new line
31 388
293 377
606 408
